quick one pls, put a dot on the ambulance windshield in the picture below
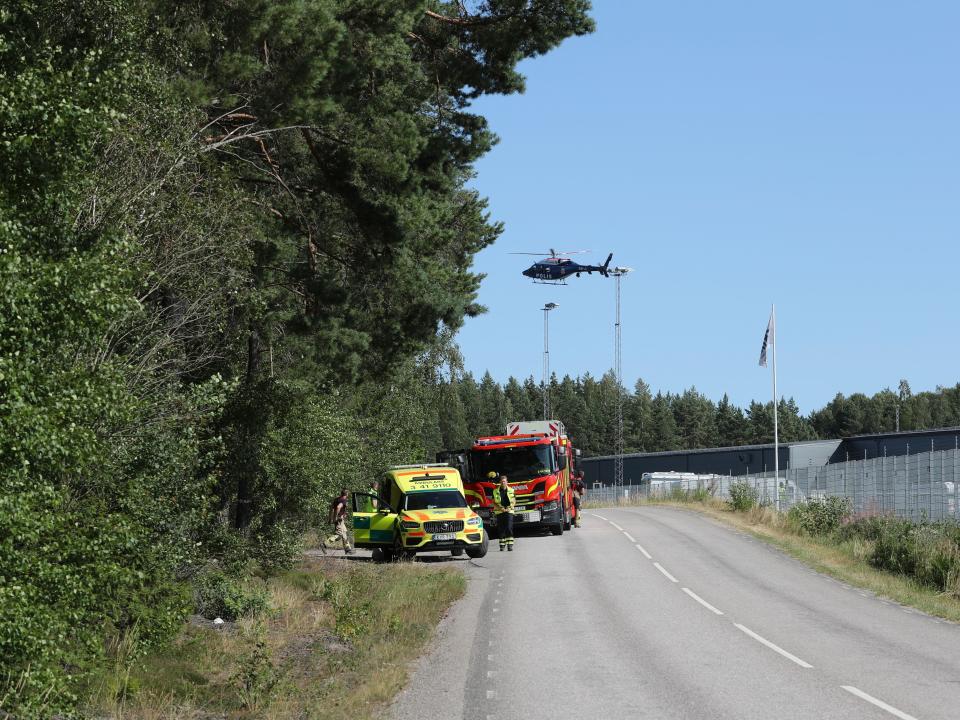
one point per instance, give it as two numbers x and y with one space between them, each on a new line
433 499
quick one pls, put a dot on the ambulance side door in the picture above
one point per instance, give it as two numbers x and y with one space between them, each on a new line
372 527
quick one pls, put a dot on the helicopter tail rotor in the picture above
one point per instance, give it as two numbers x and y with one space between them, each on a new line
605 269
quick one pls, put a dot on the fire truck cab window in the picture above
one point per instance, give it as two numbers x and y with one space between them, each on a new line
517 463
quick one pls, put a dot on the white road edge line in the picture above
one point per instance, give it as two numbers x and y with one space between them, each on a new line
879 703
703 602
629 536
662 569
599 516
775 648
645 553
615 525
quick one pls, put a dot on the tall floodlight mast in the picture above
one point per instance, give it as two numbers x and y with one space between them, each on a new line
546 358
618 273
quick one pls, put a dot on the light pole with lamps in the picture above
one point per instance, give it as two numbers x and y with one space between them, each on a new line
546 357
618 272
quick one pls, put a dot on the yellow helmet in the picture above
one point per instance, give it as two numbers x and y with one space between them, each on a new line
492 475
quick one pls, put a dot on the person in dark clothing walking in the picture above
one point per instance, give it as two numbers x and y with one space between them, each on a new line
338 518
579 492
503 505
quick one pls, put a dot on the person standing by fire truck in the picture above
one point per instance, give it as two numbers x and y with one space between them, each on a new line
503 506
579 491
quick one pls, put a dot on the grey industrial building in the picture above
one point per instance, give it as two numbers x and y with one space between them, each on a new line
744 459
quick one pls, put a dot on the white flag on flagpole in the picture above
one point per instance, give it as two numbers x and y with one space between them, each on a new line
768 337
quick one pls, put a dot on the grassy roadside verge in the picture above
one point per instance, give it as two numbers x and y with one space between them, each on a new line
336 643
844 559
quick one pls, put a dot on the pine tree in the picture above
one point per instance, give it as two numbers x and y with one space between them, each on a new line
454 431
568 406
636 417
470 397
663 425
696 422
519 400
731 423
534 403
493 419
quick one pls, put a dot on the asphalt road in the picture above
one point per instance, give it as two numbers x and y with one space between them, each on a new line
661 613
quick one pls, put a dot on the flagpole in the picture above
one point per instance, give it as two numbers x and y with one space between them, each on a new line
776 437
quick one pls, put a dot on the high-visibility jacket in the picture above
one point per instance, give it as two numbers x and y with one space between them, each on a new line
367 504
497 507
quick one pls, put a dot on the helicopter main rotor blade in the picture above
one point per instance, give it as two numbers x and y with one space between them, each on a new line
552 253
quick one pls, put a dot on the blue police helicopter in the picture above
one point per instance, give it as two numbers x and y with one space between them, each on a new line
554 270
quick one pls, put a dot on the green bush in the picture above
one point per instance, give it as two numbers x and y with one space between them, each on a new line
347 595
820 516
927 552
257 677
217 595
743 496
701 495
866 528
894 548
937 556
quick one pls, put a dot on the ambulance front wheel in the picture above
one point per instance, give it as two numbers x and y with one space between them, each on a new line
401 553
478 551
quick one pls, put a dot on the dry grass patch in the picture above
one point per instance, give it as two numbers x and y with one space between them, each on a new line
337 643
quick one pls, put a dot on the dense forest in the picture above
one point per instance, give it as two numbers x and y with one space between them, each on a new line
235 244
668 421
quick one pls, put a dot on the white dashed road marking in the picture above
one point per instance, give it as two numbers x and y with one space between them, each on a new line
879 703
703 602
645 553
775 648
629 536
662 569
615 525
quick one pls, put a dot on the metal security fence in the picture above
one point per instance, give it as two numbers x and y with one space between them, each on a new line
626 495
919 487
713 485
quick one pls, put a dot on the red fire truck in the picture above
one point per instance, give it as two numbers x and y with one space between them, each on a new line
538 460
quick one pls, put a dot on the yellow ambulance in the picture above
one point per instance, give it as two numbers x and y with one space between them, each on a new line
421 508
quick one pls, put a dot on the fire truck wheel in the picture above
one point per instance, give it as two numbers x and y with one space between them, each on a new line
566 518
557 529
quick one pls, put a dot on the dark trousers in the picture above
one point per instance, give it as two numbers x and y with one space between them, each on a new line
505 528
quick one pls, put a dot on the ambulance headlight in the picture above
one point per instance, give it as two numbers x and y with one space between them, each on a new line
474 521
409 524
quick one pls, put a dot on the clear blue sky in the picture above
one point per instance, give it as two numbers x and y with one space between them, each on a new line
735 154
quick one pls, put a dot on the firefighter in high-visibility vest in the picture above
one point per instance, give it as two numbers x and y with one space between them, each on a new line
503 505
